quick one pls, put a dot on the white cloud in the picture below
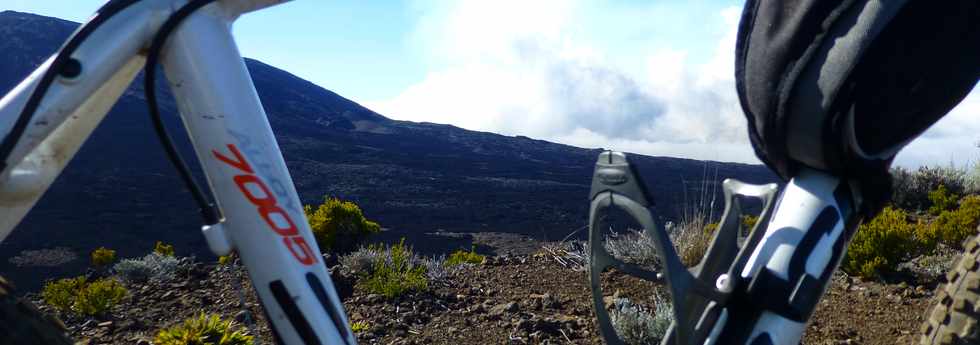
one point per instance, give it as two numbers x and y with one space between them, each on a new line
531 68
954 139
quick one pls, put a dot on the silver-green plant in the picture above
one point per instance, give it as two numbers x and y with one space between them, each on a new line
633 247
153 267
636 324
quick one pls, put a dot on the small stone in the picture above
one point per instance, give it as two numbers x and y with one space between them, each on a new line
373 298
105 324
241 316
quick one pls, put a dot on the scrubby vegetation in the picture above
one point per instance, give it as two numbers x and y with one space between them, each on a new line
203 330
225 260
931 207
98 297
460 257
338 225
62 293
397 273
393 270
359 326
692 237
952 227
879 245
79 296
637 325
633 247
153 266
163 249
911 188
103 256
748 222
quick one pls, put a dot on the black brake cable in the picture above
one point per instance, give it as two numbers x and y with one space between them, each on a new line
208 211
63 65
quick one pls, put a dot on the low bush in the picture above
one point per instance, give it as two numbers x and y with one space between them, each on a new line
397 273
225 260
359 326
636 325
692 237
163 249
910 189
954 227
460 257
437 270
204 330
941 200
103 256
79 296
153 266
61 294
362 260
881 244
338 225
748 222
98 297
633 247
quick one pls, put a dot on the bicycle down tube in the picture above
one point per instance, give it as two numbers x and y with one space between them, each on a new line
218 104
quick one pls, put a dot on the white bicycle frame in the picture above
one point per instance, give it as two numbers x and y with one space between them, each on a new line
263 217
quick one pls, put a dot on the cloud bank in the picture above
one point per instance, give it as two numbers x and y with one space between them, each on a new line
532 68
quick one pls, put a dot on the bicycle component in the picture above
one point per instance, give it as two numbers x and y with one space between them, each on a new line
209 213
954 319
62 65
22 323
616 184
264 219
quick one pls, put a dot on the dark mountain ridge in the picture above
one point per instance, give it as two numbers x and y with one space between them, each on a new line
121 192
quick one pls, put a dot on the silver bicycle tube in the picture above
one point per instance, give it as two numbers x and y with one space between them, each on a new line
264 219
71 108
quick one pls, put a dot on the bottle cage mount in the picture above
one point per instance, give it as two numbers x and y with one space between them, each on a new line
698 294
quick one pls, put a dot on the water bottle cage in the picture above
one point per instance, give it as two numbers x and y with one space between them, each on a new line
700 294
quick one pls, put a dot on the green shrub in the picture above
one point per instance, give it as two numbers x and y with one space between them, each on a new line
338 225
748 222
910 189
98 297
359 326
954 227
225 260
396 274
77 295
879 245
203 330
460 257
942 200
61 294
163 249
103 256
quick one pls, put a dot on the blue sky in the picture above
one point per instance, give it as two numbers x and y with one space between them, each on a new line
652 77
